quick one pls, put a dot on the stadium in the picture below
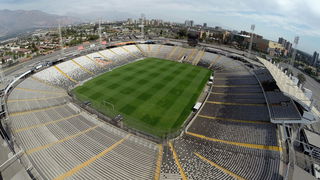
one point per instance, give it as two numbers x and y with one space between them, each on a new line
141 110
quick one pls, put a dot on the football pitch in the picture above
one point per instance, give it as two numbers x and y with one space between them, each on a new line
153 95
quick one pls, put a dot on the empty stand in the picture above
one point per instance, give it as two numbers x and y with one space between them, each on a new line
230 137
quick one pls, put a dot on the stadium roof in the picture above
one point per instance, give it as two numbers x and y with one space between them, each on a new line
242 35
299 174
312 138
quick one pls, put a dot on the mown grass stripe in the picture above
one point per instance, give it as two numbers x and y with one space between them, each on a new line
144 92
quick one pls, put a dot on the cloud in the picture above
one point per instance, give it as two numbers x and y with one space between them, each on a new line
279 21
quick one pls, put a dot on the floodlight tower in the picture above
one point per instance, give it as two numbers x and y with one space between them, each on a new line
99 30
106 37
61 42
2 76
142 25
295 131
251 39
295 42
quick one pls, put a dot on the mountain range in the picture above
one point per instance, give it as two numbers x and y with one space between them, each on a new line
17 21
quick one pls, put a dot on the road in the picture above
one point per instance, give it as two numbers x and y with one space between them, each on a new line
18 69
24 66
16 170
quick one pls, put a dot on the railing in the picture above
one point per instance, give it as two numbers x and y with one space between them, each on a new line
125 122
102 112
108 112
6 130
286 85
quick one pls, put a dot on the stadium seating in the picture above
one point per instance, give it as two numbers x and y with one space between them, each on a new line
88 64
245 162
231 133
57 136
134 50
164 52
154 50
60 138
53 76
144 49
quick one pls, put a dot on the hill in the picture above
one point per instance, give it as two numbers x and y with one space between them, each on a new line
16 21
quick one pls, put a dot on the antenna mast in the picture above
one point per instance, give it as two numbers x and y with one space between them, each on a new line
2 76
61 42
296 41
251 38
143 17
99 30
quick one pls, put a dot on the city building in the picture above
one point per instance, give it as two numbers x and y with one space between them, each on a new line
267 46
287 46
14 48
6 59
130 21
188 23
221 35
255 36
315 58
156 22
282 41
218 28
22 51
204 25
275 49
303 56
240 40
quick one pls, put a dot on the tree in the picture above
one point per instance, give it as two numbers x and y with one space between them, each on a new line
95 27
182 33
34 47
301 78
204 36
308 70
93 37
193 38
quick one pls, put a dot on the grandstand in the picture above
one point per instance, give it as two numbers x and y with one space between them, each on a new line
57 137
227 136
230 137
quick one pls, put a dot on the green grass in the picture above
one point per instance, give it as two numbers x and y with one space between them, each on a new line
153 95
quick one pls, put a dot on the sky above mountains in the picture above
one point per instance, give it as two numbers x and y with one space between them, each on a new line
273 18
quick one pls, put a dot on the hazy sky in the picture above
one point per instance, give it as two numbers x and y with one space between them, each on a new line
273 18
